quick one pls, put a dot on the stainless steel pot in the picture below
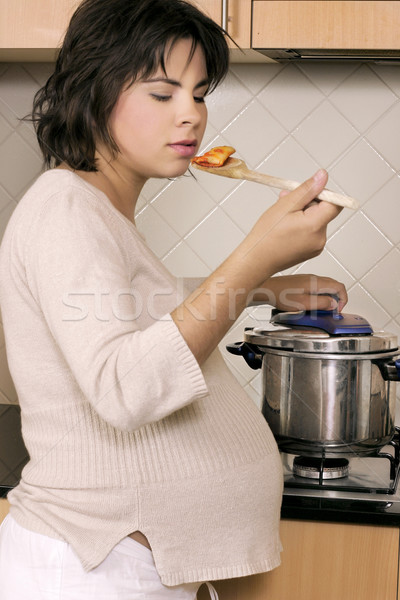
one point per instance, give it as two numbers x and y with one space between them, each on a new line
324 393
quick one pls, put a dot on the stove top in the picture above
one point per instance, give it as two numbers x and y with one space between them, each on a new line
362 489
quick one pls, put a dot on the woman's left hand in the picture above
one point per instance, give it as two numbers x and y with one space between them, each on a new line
302 292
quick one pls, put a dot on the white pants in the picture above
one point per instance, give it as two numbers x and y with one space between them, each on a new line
37 567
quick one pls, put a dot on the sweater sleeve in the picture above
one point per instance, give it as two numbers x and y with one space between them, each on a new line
94 308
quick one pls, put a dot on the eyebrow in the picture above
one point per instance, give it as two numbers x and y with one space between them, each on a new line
202 83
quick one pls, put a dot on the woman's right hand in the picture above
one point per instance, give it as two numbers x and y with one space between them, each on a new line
291 231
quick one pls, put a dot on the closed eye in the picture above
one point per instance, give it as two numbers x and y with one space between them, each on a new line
160 98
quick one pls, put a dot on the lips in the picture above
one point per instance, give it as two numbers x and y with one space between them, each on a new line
186 148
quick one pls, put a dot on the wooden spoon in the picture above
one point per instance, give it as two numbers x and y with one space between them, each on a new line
237 169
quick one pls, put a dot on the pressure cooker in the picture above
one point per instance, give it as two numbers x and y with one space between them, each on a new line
328 382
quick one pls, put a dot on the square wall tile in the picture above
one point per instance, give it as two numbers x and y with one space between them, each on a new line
385 136
361 171
27 132
254 78
40 72
5 129
150 190
326 265
393 327
325 134
362 98
358 245
384 209
327 78
158 234
221 235
246 203
290 161
362 303
15 152
17 89
254 133
290 97
182 261
389 74
383 281
5 198
227 101
215 186
183 205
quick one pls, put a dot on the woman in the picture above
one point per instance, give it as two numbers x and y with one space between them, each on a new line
150 469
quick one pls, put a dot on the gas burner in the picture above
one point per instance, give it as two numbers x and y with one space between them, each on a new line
320 468
364 474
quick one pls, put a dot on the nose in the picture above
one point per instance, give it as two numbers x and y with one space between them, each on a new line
191 112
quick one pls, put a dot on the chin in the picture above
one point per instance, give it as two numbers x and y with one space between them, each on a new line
176 172
182 171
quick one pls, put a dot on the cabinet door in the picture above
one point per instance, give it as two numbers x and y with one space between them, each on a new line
329 24
325 561
38 25
238 17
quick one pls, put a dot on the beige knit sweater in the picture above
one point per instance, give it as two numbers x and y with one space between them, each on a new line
125 432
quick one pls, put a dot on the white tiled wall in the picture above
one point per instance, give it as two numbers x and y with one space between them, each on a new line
285 120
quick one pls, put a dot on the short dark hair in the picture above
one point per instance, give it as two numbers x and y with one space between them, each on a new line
108 44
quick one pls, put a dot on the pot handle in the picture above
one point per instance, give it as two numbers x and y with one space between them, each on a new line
250 353
390 369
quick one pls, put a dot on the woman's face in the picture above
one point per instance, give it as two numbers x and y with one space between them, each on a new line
158 123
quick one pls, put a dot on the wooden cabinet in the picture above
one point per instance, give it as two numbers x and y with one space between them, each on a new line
325 561
41 25
238 17
238 25
327 24
31 31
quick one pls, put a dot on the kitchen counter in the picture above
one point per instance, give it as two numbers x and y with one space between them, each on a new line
324 509
369 493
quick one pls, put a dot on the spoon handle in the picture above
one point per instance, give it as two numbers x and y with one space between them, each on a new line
287 184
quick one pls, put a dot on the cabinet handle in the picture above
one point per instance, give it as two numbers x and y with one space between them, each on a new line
225 15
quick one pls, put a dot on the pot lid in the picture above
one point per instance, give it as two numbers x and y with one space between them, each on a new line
331 321
318 341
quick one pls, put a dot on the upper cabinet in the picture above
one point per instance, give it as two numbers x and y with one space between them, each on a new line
280 30
235 18
233 15
32 30
329 30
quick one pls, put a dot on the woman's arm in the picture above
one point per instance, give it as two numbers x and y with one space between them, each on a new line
291 231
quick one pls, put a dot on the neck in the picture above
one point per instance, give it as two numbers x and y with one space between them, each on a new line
123 192
122 189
